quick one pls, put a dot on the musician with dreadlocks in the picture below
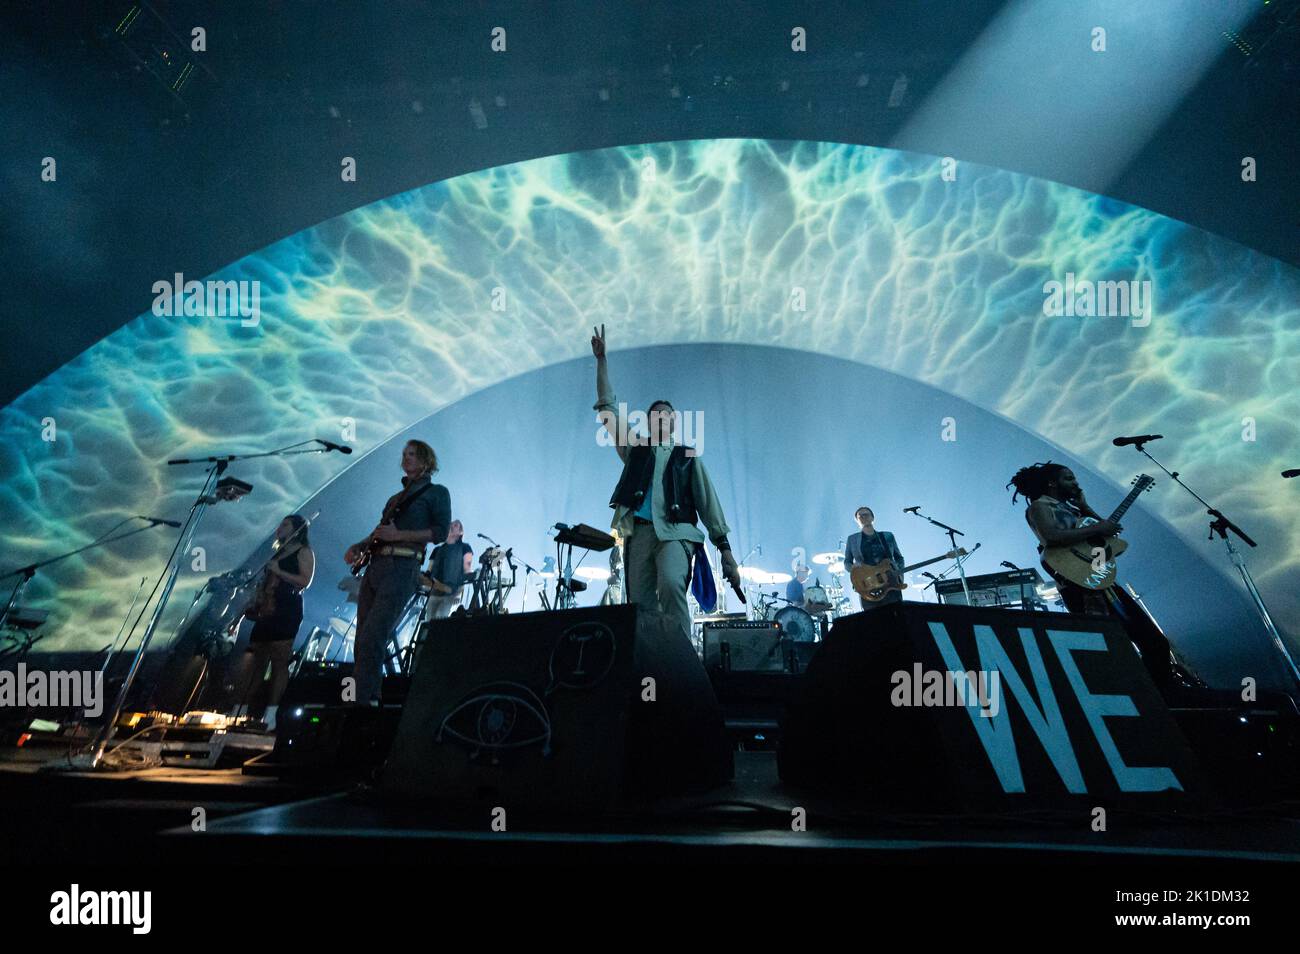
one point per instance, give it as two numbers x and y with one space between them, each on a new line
1057 505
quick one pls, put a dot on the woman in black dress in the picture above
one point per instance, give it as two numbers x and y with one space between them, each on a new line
274 632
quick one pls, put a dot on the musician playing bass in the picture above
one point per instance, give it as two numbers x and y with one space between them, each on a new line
415 516
869 547
1056 506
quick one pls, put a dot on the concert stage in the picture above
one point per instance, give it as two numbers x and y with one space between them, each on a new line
145 818
735 433
833 774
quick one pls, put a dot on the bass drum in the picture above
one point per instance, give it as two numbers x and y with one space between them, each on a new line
796 625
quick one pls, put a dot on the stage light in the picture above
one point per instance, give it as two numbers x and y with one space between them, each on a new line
990 108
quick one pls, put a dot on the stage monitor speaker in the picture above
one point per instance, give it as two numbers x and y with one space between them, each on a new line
575 711
1058 712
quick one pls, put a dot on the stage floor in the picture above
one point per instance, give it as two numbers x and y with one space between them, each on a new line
148 816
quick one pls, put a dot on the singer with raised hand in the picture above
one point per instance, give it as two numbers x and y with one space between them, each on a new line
661 493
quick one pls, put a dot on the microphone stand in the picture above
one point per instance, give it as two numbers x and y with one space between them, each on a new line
943 574
953 534
25 573
172 570
1220 525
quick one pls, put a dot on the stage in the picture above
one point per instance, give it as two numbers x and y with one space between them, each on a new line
145 818
737 434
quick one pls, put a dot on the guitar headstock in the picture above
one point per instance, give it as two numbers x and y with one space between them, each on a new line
1142 483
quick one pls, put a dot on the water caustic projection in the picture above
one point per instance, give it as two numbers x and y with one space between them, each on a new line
386 314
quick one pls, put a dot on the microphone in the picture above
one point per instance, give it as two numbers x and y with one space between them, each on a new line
911 509
1291 473
929 575
1009 565
342 448
1140 439
484 536
759 549
156 520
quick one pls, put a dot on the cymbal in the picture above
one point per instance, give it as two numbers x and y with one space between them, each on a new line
591 573
830 556
753 574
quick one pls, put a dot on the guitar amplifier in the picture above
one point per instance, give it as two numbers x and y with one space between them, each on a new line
744 646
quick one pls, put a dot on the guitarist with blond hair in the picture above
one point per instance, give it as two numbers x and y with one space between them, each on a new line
391 555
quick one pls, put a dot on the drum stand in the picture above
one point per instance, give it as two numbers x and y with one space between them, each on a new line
1220 526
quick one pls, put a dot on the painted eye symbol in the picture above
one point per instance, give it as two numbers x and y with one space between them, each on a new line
582 657
497 717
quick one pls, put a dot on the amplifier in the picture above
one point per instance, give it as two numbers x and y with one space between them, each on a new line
744 646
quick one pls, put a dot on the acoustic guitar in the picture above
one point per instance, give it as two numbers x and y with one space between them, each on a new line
876 581
1091 563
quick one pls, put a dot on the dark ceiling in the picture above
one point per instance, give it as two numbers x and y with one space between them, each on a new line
151 182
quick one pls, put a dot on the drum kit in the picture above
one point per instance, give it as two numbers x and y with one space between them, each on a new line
810 620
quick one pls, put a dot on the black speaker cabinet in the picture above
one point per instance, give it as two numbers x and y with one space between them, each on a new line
576 711
1061 714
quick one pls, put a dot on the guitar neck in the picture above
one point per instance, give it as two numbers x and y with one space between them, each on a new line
1126 503
917 566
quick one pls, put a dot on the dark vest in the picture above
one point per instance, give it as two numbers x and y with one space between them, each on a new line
639 470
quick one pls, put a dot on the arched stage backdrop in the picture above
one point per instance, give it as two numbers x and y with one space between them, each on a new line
384 316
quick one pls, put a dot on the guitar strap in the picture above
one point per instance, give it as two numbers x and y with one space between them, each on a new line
398 504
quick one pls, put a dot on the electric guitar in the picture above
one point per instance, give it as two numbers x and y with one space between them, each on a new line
392 510
1082 563
876 581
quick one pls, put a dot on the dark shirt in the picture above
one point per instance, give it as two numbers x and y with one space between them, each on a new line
794 592
871 550
431 510
283 623
447 565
